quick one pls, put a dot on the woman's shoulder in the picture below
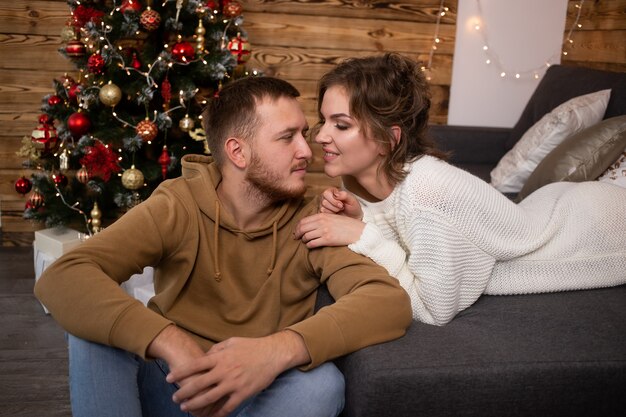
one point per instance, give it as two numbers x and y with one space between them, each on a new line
432 182
427 171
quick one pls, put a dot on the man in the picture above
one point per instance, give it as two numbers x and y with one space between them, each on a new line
231 325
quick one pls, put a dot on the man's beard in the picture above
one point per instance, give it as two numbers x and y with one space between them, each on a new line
267 184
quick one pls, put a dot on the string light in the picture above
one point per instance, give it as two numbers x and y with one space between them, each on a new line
436 40
534 73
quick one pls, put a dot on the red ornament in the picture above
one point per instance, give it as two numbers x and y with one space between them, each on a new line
240 48
147 130
82 175
45 135
100 161
73 91
95 63
54 100
81 15
213 5
232 9
23 185
166 92
165 161
78 124
150 20
45 119
183 51
136 63
35 199
130 6
75 49
60 180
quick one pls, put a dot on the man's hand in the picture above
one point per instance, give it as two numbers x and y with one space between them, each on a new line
336 201
234 370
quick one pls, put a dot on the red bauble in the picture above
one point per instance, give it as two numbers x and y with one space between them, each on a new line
45 119
95 63
150 20
213 5
45 136
232 9
164 161
73 91
183 51
78 124
54 100
130 6
240 48
75 49
147 130
60 180
23 185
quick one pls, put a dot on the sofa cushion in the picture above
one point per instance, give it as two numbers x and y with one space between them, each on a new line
581 157
561 83
553 128
560 354
616 172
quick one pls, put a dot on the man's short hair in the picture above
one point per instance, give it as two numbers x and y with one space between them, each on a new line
232 113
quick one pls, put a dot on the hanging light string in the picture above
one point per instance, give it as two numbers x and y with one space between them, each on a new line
492 57
569 41
436 40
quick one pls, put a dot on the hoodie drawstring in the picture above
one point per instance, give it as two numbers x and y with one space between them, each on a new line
216 257
218 274
274 247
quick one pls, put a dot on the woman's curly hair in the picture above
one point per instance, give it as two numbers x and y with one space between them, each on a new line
387 91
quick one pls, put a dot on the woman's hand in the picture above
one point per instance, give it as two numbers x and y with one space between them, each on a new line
324 229
341 202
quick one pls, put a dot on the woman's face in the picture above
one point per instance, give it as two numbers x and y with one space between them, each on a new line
347 150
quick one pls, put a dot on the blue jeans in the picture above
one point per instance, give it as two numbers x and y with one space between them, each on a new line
109 382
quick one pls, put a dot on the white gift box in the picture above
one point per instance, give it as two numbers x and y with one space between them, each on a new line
50 244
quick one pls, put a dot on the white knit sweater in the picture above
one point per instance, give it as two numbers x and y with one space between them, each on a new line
449 237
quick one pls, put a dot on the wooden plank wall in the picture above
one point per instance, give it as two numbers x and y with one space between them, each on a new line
294 40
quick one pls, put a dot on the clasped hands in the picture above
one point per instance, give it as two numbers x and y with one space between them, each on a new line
338 222
215 383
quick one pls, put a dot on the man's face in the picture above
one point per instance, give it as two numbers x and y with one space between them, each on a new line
279 151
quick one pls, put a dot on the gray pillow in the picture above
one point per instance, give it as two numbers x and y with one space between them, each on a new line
583 156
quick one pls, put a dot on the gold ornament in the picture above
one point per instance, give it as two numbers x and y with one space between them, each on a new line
110 94
96 214
67 34
132 178
186 123
200 31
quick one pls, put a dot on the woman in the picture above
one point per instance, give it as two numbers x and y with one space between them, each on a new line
447 236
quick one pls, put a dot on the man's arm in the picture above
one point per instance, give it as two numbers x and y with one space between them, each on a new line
371 307
233 370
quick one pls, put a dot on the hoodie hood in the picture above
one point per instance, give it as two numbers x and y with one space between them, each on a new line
202 176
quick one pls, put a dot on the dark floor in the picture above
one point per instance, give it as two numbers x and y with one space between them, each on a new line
33 355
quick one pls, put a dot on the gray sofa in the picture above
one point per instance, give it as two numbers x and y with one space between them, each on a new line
561 354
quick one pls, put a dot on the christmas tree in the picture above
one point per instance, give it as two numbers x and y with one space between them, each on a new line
111 132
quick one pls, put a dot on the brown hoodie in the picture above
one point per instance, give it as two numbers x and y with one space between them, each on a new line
216 281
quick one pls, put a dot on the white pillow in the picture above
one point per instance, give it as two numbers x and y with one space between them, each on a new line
565 120
616 173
